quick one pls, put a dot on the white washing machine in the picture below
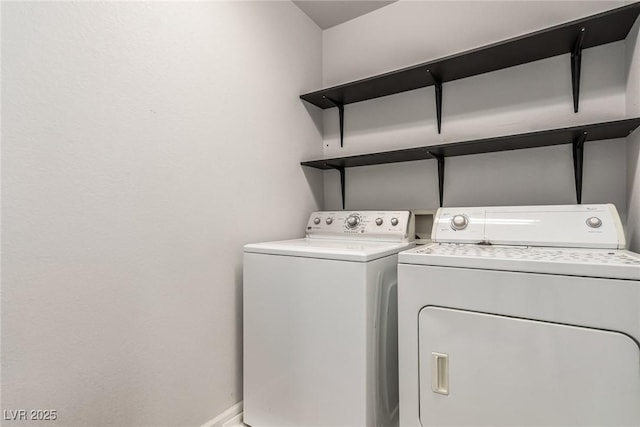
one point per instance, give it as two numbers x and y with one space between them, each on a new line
520 316
320 323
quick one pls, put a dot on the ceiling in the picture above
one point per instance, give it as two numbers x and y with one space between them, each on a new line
327 13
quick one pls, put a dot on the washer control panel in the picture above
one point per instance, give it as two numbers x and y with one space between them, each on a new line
373 225
580 226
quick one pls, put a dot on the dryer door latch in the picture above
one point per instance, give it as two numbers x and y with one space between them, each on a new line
440 373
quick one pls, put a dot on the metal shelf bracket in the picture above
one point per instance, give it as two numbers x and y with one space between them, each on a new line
342 173
340 107
437 83
578 156
576 61
440 160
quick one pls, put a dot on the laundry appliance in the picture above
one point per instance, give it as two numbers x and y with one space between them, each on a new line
520 316
320 323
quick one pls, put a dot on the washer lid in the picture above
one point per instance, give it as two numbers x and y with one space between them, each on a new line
605 263
344 250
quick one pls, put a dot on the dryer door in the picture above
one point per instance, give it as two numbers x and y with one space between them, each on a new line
491 370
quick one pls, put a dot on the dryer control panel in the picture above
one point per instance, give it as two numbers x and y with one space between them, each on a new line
578 226
393 226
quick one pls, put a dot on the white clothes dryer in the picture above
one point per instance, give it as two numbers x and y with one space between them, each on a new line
320 323
520 316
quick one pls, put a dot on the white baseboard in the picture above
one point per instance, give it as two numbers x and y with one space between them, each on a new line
235 421
232 417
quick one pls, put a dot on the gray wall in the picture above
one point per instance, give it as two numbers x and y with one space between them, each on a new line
525 98
633 141
143 144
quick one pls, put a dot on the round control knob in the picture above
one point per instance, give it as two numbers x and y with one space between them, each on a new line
459 222
394 221
352 221
594 222
329 221
316 221
379 221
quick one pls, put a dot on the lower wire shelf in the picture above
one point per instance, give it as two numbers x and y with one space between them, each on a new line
575 135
